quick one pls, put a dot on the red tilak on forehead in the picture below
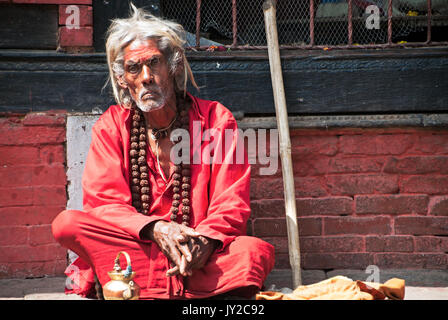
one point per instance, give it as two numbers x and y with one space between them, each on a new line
141 52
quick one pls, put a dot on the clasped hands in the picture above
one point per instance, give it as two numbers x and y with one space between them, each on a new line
186 249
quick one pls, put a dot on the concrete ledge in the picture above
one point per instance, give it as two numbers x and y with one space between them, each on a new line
420 284
347 121
281 278
19 288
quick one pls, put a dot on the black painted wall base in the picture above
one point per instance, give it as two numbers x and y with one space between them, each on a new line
316 82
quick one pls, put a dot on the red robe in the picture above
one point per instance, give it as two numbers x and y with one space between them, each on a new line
220 210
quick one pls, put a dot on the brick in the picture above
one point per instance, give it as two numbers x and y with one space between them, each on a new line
14 135
341 260
40 235
332 244
431 244
31 254
13 235
33 269
50 118
417 165
310 187
49 195
272 188
280 244
387 144
16 196
352 184
85 15
31 215
355 165
305 207
324 206
303 146
82 37
54 1
357 225
18 176
50 154
49 175
318 244
438 206
411 260
276 227
432 144
425 184
310 167
282 261
268 208
389 244
266 188
391 204
309 226
421 225
18 155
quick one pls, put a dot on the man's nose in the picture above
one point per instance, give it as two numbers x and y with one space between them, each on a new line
147 75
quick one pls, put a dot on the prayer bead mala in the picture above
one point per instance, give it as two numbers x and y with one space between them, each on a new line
140 188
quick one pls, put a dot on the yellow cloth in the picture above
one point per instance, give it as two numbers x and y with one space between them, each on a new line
341 288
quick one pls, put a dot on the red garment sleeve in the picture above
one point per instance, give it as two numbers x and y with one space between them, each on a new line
106 191
229 186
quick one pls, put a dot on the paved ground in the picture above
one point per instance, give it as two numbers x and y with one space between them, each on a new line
420 284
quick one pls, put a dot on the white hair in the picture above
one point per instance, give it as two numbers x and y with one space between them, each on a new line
141 26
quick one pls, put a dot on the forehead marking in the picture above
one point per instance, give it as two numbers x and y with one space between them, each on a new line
141 52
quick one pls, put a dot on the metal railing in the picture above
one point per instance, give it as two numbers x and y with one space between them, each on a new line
309 24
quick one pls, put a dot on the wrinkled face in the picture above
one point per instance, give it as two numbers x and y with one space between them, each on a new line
147 75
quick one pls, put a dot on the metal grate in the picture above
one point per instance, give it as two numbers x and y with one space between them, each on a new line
311 23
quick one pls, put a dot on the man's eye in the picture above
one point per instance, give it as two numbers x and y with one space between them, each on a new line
133 68
154 62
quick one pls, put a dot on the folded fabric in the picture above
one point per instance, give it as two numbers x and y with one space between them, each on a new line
341 288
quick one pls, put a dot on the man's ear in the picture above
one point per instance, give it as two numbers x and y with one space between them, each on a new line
121 82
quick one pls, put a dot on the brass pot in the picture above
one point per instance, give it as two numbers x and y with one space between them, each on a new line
121 286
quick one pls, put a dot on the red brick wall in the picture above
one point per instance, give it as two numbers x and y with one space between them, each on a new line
32 192
70 39
363 197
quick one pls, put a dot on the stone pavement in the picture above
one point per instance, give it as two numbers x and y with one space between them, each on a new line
420 284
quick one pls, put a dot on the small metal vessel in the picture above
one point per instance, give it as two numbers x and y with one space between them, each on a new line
121 286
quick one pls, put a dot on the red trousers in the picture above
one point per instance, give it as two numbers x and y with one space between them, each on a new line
240 268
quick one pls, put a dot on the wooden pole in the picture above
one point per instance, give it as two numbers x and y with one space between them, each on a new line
284 139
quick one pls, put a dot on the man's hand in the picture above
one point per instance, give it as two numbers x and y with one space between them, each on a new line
201 249
173 239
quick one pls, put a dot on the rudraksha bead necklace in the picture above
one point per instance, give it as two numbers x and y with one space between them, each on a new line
140 187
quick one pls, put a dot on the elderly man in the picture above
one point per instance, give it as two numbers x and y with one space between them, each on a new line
182 223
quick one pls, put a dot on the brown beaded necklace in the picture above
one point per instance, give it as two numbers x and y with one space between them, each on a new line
140 188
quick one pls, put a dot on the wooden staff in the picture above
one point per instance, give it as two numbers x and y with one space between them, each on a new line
284 139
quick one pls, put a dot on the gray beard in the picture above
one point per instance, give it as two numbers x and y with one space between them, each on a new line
150 104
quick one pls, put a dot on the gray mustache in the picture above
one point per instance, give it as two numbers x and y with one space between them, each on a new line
155 90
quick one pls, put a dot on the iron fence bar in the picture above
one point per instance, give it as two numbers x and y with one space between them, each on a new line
331 47
428 40
234 24
350 23
311 23
198 23
389 22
